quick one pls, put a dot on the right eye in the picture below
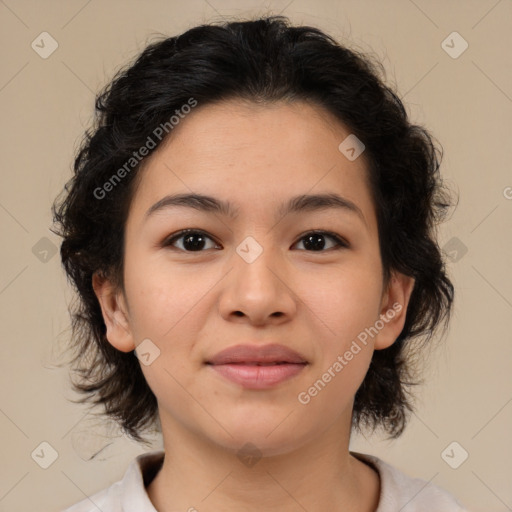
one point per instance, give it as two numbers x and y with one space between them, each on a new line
193 240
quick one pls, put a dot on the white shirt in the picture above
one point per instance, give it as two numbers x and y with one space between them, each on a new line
398 491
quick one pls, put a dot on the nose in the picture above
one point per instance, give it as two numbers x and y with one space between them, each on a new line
258 292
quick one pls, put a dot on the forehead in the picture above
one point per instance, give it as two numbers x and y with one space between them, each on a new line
253 156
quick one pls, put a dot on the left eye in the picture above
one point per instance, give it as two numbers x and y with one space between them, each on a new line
315 240
195 241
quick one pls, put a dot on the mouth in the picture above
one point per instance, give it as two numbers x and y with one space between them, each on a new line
254 363
257 366
272 354
257 375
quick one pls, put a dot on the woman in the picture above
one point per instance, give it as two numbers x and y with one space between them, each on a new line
250 229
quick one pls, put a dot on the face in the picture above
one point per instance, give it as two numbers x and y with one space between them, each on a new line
309 278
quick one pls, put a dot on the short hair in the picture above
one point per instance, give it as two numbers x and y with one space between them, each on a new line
263 60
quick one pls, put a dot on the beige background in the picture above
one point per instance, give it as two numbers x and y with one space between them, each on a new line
467 103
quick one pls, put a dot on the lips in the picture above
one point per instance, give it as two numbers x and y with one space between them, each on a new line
265 355
257 367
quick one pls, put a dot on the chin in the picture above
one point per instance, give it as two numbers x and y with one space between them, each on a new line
260 438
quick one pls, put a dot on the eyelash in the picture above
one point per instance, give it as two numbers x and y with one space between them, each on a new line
340 242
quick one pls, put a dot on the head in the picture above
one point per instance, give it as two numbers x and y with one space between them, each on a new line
253 114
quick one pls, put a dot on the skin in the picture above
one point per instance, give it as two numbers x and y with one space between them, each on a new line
193 304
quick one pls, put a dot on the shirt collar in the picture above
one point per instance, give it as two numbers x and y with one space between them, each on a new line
140 472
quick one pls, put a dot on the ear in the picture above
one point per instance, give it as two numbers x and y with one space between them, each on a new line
395 300
114 312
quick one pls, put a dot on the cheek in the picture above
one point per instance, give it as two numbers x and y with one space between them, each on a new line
344 350
345 307
164 300
346 301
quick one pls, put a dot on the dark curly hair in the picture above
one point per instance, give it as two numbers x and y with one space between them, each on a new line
262 60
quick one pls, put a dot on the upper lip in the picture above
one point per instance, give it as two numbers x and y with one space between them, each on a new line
272 353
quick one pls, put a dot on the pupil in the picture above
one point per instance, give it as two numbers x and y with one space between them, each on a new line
187 242
314 242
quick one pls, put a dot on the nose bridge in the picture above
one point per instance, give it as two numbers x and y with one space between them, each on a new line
256 261
256 286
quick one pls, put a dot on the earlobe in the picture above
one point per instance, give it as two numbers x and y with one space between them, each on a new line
114 313
394 309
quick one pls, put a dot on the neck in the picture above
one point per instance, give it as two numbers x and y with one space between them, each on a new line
318 475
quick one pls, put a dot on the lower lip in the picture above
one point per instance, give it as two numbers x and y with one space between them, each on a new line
258 377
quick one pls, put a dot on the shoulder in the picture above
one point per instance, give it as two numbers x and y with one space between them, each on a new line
128 494
401 492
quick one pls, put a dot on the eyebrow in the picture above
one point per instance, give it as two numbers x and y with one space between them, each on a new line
297 204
